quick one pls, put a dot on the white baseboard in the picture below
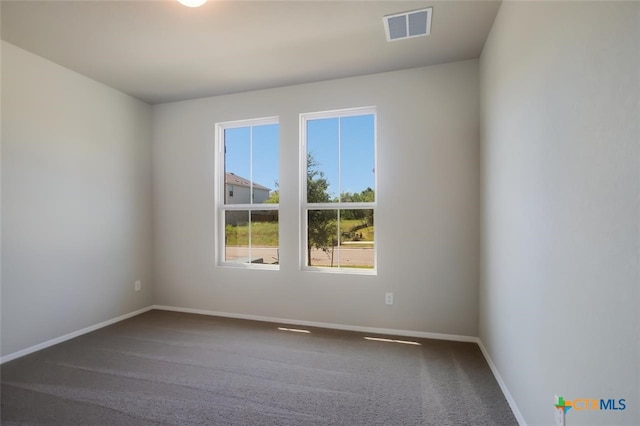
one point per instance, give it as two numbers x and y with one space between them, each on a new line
69 336
503 386
387 331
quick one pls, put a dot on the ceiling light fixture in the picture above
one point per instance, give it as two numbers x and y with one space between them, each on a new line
192 3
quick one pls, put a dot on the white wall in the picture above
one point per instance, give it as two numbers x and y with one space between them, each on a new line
428 250
76 200
559 297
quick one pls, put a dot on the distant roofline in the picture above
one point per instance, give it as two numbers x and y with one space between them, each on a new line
234 179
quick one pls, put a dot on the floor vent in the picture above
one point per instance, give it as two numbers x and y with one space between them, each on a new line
416 23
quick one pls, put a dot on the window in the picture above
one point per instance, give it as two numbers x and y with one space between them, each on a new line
338 197
247 187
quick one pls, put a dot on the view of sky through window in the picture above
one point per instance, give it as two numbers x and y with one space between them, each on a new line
265 151
354 164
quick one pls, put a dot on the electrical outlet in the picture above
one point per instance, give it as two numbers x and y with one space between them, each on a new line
388 298
138 285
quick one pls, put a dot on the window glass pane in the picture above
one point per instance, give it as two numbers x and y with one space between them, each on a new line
322 160
356 239
237 165
264 237
340 160
236 236
251 171
357 162
322 237
266 157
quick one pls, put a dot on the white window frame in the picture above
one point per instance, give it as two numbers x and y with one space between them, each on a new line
305 207
221 191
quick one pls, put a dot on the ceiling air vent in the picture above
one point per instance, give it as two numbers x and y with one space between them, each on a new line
415 23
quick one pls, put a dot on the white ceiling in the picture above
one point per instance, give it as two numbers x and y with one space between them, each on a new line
161 51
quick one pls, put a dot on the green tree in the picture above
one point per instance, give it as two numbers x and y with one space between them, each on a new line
322 227
366 196
274 196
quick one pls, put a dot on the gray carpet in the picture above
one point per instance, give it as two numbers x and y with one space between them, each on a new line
183 369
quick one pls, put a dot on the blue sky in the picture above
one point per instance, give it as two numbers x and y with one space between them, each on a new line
354 135
266 154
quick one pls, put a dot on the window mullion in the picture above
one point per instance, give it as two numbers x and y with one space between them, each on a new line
251 165
338 243
251 184
339 160
345 206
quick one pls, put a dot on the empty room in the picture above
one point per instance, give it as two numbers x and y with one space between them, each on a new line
221 212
